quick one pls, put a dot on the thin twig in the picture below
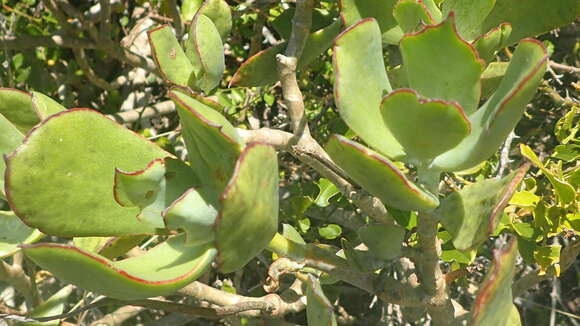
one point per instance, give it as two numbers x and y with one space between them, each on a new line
563 67
88 71
146 112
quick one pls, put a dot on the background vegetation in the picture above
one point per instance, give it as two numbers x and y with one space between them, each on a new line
96 54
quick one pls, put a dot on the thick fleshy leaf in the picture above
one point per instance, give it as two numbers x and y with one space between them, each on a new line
360 83
262 70
154 188
45 106
282 24
249 216
412 15
493 305
382 10
319 310
169 56
193 214
378 175
24 110
16 107
489 43
472 214
60 180
10 139
491 124
13 233
443 124
491 77
110 247
205 50
384 241
213 144
220 14
470 15
118 246
51 307
441 65
189 8
160 271
532 17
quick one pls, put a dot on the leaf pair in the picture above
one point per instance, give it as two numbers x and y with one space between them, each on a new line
201 64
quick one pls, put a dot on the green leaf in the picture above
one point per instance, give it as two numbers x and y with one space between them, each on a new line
169 56
160 271
110 247
443 124
283 22
45 106
10 139
249 216
220 14
532 17
261 69
566 193
53 306
205 51
525 230
524 199
16 107
441 65
189 8
193 214
489 43
470 15
546 257
327 190
462 257
291 233
13 233
492 123
493 305
362 260
412 15
60 180
153 188
118 246
491 77
358 55
384 241
330 231
213 144
319 310
567 153
472 214
378 175
382 10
